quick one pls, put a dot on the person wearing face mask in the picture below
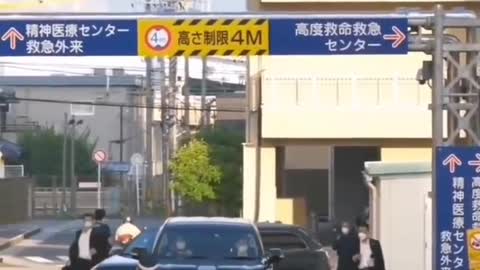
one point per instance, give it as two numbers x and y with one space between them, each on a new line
83 250
181 248
346 246
370 256
242 248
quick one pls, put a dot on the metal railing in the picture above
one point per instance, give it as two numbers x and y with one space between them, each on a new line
309 92
14 171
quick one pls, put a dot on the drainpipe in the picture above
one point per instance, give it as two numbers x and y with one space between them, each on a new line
373 204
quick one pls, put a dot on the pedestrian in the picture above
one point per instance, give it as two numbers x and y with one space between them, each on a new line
84 248
346 246
101 233
370 256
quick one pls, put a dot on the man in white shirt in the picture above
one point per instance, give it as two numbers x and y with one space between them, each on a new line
82 250
371 255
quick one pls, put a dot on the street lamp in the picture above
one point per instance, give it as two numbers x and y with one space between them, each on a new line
73 181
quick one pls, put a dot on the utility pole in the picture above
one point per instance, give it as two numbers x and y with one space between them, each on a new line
164 126
64 161
172 76
121 135
149 117
73 179
186 96
204 114
437 117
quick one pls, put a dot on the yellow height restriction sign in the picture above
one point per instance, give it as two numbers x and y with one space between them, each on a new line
203 37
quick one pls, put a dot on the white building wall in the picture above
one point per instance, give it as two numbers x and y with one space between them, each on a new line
404 221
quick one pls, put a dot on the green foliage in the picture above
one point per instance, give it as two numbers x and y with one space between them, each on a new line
195 175
44 150
226 148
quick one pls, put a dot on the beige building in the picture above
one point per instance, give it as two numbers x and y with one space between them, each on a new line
322 117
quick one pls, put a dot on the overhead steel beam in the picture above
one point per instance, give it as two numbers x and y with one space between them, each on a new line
415 18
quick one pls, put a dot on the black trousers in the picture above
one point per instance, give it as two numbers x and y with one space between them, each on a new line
81 264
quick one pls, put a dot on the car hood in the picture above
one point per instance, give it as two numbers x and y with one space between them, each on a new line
124 263
117 262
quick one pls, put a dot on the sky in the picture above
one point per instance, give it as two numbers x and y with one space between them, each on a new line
81 65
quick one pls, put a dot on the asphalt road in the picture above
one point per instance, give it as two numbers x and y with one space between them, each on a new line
49 249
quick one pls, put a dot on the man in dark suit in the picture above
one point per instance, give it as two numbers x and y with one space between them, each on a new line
83 252
370 256
102 233
346 246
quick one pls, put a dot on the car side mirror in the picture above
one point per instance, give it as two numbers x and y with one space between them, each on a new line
274 255
138 252
145 258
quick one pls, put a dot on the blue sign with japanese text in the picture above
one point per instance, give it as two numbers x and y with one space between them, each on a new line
68 38
458 205
117 166
338 36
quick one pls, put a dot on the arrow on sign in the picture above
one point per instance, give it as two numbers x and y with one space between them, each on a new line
475 163
13 35
452 161
397 38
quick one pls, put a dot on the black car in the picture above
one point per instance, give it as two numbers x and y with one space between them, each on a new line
300 248
211 244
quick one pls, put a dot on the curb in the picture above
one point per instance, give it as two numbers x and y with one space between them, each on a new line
17 239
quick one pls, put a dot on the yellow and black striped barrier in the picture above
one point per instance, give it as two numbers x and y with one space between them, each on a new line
204 37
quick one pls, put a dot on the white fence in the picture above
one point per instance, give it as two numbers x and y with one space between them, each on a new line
326 93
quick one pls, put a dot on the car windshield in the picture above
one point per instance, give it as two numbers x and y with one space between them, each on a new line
196 242
144 240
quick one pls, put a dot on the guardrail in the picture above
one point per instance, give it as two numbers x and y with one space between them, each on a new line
333 92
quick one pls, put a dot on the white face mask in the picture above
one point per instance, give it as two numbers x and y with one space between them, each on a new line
88 224
362 236
242 248
345 230
181 245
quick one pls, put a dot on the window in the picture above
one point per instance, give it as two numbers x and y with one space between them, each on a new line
82 109
222 242
144 240
282 240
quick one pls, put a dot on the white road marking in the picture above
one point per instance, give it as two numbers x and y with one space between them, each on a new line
63 258
38 259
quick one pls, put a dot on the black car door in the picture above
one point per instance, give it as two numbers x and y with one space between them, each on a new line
298 256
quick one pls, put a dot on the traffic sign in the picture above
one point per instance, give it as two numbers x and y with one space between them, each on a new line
203 37
458 207
99 156
338 36
68 38
117 166
136 159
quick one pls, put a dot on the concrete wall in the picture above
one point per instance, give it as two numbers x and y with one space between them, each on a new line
46 201
15 200
268 191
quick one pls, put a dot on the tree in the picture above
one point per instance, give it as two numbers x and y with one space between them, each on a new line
226 148
44 150
195 175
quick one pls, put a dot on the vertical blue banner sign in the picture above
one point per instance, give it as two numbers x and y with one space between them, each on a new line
68 38
458 208
337 36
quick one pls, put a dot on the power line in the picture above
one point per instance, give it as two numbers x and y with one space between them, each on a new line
25 66
113 104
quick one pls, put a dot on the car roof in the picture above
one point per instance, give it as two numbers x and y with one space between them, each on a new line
276 226
180 221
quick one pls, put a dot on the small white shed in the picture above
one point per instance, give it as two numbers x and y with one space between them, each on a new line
400 212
